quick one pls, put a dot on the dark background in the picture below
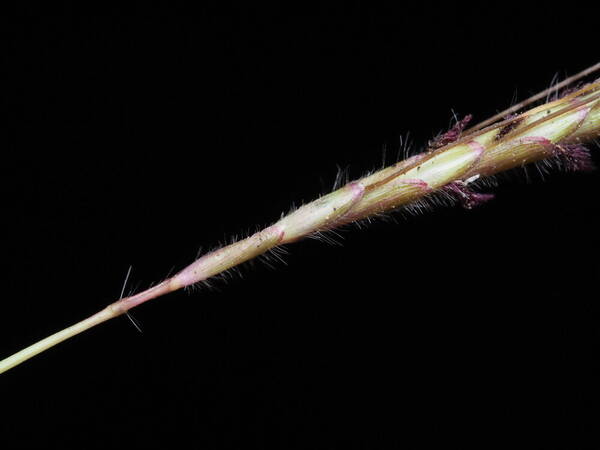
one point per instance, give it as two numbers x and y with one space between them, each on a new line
136 136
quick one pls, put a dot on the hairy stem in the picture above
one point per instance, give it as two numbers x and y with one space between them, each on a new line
553 130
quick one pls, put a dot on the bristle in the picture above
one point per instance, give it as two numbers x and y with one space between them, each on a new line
405 148
342 177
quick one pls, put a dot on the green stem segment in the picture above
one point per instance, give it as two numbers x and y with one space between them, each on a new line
530 137
56 338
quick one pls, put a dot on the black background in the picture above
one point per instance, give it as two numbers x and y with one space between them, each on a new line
136 136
